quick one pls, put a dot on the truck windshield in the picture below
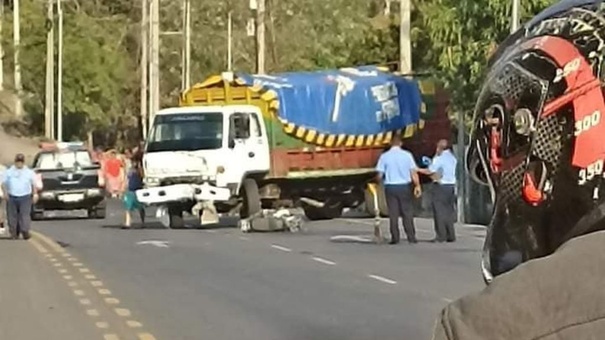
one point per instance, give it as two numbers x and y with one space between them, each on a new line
186 132
63 160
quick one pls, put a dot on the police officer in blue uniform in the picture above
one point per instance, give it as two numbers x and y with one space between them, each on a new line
19 185
443 172
397 170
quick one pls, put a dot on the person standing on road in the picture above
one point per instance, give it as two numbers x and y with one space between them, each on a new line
397 170
443 171
134 182
3 197
114 174
19 184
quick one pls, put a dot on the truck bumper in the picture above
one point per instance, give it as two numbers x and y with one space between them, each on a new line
182 192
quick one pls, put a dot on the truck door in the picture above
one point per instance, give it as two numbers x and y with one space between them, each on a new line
248 143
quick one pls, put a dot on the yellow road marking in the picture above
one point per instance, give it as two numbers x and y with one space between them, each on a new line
72 284
68 277
66 254
52 244
146 336
47 255
110 337
102 325
79 292
92 312
90 277
104 292
72 259
112 301
84 270
85 302
57 264
96 283
62 271
52 259
134 324
39 247
77 264
123 312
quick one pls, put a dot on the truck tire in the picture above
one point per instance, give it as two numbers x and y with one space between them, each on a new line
382 202
175 216
327 212
251 198
37 215
97 213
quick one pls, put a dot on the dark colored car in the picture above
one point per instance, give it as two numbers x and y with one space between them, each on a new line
70 181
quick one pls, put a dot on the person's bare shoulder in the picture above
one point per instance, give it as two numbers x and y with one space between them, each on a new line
539 298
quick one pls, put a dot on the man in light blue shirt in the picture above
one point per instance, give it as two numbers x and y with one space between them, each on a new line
443 172
19 186
397 171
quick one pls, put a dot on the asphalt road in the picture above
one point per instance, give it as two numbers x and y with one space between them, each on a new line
219 283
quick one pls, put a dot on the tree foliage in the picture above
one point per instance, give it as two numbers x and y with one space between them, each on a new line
451 40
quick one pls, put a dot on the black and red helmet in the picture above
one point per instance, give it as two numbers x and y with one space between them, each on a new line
538 139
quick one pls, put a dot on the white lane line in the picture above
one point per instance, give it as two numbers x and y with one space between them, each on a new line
281 248
382 279
447 300
324 261
243 238
210 231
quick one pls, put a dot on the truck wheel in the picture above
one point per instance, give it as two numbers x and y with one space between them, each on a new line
327 212
175 215
37 215
251 198
382 202
97 213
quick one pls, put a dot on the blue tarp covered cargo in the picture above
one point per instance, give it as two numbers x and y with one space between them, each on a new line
350 101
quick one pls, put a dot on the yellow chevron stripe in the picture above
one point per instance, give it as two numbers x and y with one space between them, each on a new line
310 137
341 139
289 127
274 104
370 140
321 139
421 124
409 130
330 140
423 108
359 141
388 137
350 141
300 132
378 140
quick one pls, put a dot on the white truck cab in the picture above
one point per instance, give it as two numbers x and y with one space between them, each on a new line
196 156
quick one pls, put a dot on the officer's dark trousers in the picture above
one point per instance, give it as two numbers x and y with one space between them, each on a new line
443 212
18 211
400 201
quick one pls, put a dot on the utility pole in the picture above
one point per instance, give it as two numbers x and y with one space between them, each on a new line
461 180
154 82
144 65
1 49
260 37
186 54
405 42
60 74
17 47
514 26
230 41
49 109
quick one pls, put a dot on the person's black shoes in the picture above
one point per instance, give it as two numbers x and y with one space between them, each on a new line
393 242
413 241
26 235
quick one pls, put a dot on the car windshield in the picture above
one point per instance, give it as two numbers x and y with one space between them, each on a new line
186 132
63 160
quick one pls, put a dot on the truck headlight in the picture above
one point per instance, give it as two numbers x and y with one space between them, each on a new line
151 181
93 192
